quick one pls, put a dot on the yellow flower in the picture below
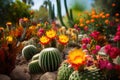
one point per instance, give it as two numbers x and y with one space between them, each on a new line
63 39
9 38
51 34
76 58
44 40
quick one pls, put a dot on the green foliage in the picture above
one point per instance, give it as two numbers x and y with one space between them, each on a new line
106 6
50 59
41 14
13 11
34 67
28 51
64 68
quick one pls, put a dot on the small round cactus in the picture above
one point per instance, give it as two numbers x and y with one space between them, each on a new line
64 71
34 67
35 57
28 51
50 59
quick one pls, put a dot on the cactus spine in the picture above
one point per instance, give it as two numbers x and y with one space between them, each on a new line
50 59
35 57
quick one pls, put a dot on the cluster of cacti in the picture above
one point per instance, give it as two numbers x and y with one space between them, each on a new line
64 71
34 67
28 51
50 59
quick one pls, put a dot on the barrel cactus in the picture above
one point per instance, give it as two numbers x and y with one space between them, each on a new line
35 57
28 51
92 75
34 67
75 76
50 59
64 71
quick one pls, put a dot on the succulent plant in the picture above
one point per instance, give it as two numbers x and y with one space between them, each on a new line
50 59
75 76
92 75
35 57
34 67
28 51
64 71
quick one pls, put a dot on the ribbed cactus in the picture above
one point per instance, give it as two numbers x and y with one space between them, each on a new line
75 76
28 51
50 59
35 57
51 11
59 12
92 75
64 71
34 67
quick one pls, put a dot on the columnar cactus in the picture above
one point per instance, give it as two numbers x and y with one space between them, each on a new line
64 71
50 59
34 67
28 51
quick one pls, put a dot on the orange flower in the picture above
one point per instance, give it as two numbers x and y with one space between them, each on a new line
107 15
76 58
113 4
63 39
25 19
117 14
44 40
51 34
107 21
8 23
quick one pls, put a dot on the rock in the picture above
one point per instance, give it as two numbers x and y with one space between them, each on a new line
20 73
49 76
4 77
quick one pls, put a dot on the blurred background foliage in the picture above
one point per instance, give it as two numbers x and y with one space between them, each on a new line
13 10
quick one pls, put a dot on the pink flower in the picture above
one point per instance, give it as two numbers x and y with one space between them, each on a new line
109 66
105 64
86 28
86 40
95 34
117 67
40 32
108 48
97 48
114 52
84 46
116 38
118 28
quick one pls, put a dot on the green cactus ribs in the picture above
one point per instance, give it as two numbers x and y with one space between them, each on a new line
50 59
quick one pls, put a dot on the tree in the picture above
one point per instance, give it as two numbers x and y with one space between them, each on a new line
13 11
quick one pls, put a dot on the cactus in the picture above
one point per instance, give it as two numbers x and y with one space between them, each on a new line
50 59
64 71
59 12
34 67
35 57
92 75
75 76
28 51
69 14
51 11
